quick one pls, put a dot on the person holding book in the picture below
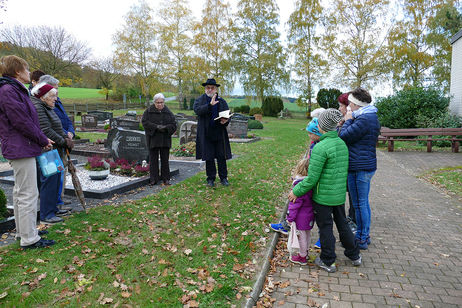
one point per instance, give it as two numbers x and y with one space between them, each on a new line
212 140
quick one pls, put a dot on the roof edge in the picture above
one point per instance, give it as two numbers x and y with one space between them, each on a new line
457 36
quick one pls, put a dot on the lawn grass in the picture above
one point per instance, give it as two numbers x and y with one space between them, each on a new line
186 244
449 179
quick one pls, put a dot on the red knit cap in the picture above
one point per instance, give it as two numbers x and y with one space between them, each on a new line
43 90
343 99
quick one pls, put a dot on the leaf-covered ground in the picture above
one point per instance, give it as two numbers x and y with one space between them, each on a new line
188 245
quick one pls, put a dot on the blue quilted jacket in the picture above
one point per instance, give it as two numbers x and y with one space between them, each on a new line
360 135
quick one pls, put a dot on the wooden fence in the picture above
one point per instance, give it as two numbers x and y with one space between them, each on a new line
86 107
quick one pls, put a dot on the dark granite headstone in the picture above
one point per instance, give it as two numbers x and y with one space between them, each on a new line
188 132
239 116
89 121
102 115
127 144
125 123
238 128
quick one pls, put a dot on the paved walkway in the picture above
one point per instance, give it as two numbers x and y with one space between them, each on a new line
415 259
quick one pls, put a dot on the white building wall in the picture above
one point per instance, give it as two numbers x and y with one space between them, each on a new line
456 78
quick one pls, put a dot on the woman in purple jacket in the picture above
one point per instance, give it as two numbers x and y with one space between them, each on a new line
22 140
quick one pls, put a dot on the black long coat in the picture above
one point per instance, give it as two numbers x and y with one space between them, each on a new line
208 136
152 118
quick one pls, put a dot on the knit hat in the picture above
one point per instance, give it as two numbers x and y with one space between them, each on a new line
312 127
343 99
356 101
315 113
41 89
329 119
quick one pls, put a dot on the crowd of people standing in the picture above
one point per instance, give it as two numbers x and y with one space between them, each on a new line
31 122
341 159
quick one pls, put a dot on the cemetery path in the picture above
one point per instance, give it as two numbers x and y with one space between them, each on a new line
414 260
186 170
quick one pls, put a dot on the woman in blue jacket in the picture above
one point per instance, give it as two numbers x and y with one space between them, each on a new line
360 132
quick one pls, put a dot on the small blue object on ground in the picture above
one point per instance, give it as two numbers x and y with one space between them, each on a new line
279 228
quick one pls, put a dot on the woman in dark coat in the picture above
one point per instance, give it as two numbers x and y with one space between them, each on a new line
360 132
44 97
212 140
159 125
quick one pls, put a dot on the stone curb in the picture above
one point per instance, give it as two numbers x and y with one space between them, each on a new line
257 287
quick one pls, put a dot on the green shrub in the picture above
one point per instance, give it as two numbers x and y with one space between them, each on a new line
255 110
242 109
140 127
408 108
77 137
272 105
327 98
445 120
3 201
254 124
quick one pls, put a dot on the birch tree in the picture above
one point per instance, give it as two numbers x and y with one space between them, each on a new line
213 40
355 38
138 50
309 65
259 55
176 35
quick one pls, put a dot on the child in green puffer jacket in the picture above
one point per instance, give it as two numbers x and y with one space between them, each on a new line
327 178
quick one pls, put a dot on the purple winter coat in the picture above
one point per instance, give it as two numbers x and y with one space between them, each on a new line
20 132
302 210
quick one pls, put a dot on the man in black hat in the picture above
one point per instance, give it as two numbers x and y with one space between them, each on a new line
212 140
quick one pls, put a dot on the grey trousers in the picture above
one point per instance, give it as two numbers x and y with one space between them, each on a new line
25 197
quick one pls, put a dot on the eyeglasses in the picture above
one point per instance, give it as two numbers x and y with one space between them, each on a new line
158 103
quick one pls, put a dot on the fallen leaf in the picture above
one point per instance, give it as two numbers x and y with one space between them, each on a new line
55 280
126 294
39 261
106 300
238 295
116 284
191 304
3 295
281 303
67 231
187 252
42 276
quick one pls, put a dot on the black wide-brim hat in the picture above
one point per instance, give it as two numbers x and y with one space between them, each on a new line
211 82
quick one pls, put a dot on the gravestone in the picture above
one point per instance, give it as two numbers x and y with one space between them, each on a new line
238 128
102 115
89 121
131 113
125 123
72 118
239 116
128 144
188 132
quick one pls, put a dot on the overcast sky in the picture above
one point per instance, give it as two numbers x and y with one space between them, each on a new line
93 21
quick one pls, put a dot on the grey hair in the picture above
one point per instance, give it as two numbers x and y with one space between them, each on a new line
52 91
49 79
157 96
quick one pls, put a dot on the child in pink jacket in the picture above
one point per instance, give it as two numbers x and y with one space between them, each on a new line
301 211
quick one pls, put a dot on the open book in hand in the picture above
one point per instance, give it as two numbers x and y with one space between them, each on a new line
224 114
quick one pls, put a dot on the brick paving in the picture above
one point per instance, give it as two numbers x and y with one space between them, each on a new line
415 258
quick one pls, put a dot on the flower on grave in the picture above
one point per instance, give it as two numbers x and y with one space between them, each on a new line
96 163
141 170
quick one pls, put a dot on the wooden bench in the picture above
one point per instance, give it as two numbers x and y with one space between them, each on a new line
389 134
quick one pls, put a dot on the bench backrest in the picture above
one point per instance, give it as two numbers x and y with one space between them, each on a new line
400 132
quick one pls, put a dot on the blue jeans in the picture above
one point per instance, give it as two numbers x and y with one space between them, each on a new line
359 185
